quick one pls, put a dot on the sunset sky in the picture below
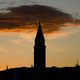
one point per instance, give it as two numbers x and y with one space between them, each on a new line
60 20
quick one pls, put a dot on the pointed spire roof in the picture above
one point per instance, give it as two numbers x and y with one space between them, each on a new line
39 35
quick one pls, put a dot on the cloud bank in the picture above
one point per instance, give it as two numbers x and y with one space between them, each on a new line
23 18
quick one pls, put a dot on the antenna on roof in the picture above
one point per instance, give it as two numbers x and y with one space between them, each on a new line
6 67
77 65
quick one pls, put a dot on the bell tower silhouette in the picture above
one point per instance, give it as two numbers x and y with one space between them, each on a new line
39 49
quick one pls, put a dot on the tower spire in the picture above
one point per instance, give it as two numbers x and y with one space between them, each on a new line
39 35
39 49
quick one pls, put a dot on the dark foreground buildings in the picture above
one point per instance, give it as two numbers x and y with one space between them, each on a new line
40 71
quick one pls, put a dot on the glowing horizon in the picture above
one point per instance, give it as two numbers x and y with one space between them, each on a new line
22 45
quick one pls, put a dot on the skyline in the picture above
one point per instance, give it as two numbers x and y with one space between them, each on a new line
62 41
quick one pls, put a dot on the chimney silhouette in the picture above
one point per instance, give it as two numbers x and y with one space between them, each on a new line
39 49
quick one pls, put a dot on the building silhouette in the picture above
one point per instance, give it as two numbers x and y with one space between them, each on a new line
39 49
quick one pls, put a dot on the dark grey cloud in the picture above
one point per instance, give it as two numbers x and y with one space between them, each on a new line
27 17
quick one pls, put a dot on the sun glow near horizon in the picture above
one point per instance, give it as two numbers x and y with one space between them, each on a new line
16 48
